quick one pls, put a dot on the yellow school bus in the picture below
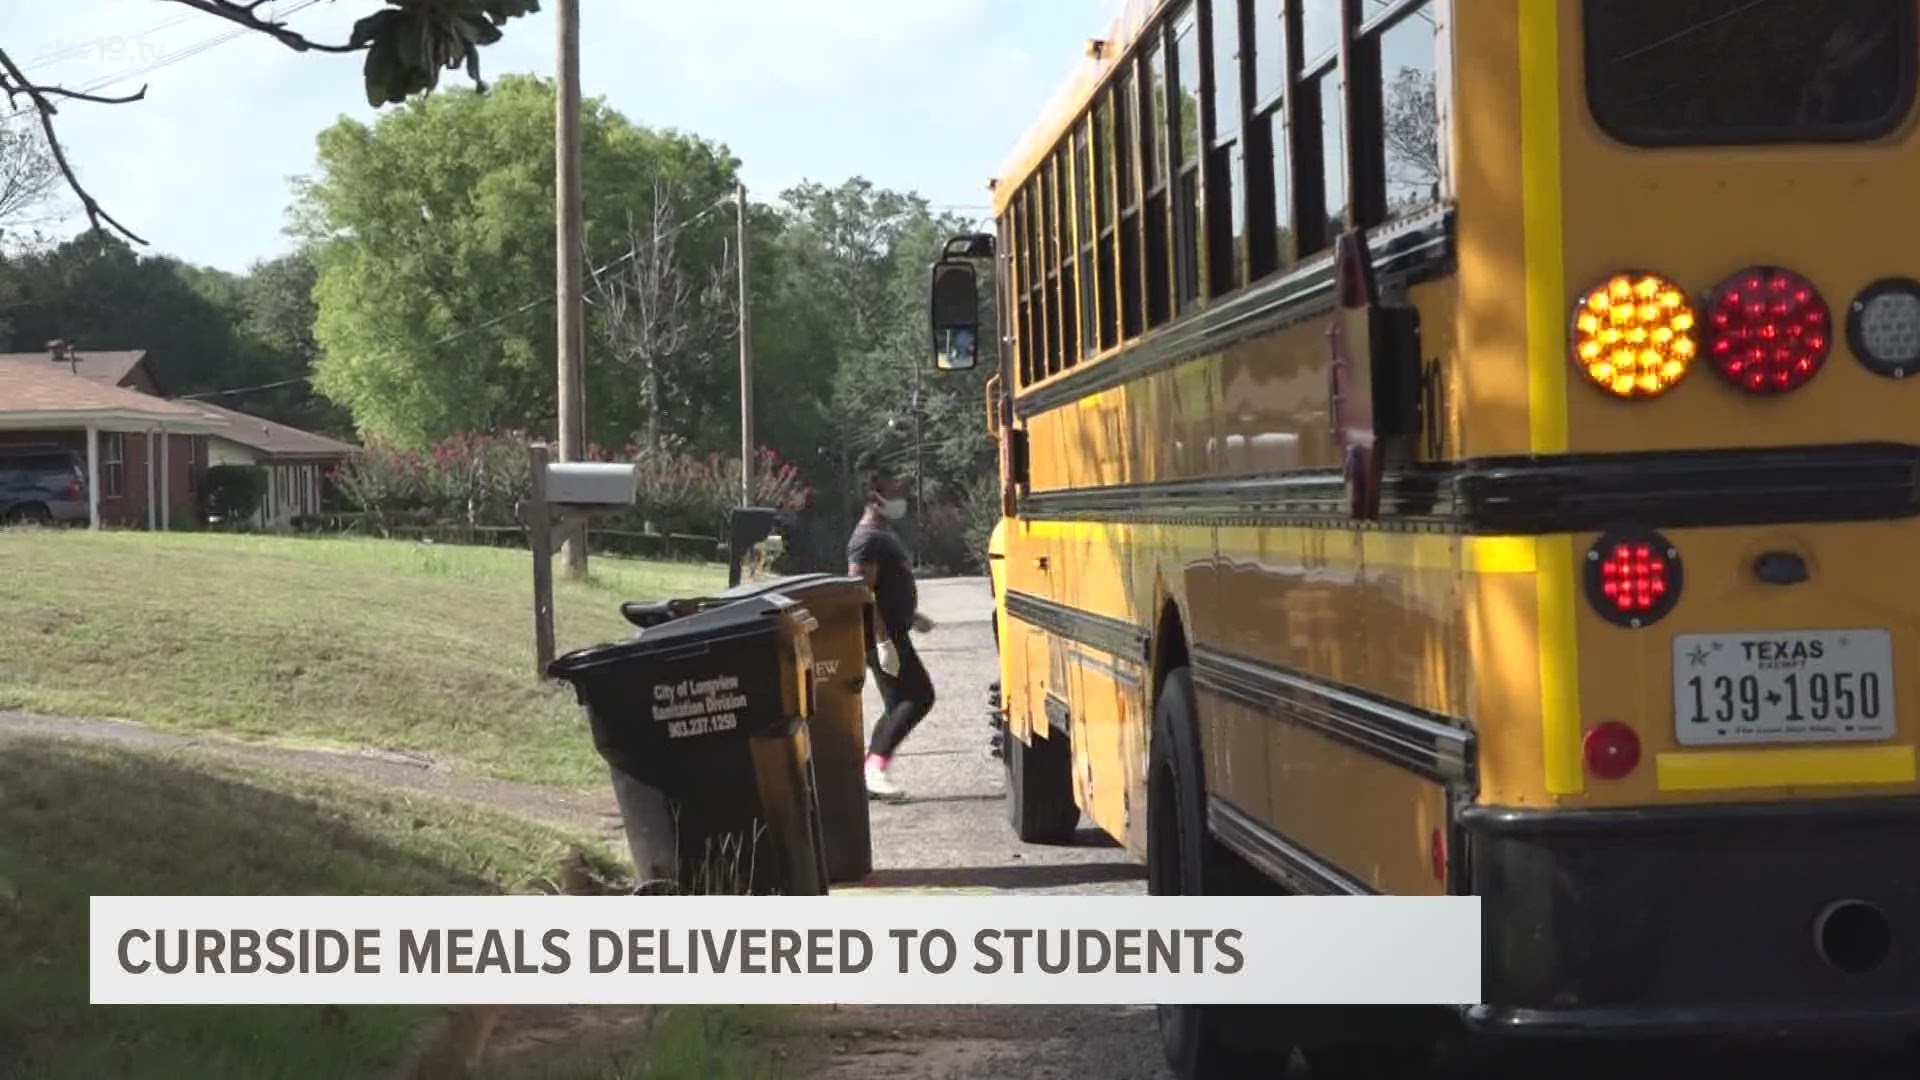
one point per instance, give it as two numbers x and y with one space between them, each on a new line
1465 446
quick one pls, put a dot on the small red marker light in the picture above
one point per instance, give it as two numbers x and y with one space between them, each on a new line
1437 851
1611 750
1633 577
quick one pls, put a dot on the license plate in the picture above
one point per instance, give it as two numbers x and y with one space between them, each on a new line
1783 687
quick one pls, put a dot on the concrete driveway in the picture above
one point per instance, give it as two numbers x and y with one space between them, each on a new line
952 831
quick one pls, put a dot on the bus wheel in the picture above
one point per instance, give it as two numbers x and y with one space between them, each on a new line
1040 803
1200 1040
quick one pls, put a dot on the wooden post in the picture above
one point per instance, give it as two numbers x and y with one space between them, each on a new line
540 539
93 477
746 358
153 513
166 479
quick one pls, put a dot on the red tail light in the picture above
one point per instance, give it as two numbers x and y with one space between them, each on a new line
74 494
1611 750
1768 330
1633 578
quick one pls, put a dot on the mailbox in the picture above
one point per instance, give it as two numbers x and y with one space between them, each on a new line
592 484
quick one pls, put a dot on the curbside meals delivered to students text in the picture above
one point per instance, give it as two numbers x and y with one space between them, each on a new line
871 949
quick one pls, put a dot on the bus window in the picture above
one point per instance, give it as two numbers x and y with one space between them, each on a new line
1055 325
1226 211
1270 197
1036 278
1663 72
1063 187
1408 132
1188 136
1319 30
1124 108
1104 222
1332 160
1153 144
1083 174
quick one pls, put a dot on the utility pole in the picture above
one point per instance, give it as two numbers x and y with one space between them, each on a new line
746 358
569 250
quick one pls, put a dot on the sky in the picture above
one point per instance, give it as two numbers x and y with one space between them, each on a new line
928 95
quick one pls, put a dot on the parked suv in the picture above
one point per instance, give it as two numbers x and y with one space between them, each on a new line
42 486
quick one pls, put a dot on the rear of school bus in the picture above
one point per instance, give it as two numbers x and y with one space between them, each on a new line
1689 313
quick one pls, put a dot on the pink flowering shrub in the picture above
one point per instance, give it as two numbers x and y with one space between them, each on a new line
481 480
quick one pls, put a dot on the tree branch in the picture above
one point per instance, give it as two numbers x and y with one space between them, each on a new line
16 85
243 14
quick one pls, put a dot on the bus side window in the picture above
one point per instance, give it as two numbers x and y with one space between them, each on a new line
1104 226
1126 177
1319 149
1083 182
1397 136
1226 212
1154 148
1050 197
1269 195
1063 187
1188 137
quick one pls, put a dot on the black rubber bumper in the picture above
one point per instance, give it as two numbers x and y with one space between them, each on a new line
1699 920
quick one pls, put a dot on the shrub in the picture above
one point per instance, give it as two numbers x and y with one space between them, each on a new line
480 481
938 537
232 493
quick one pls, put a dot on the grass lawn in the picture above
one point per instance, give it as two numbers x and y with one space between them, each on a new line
373 643
78 820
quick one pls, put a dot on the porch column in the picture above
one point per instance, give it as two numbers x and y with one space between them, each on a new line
152 503
166 480
93 477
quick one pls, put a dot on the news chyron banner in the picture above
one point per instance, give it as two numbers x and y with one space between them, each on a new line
882 949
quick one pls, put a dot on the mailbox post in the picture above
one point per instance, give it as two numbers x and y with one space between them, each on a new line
565 495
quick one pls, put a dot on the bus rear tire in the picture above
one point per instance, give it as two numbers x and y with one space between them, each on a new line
1200 1041
1040 803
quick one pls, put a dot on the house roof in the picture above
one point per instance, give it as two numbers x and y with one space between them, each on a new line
269 438
111 367
47 396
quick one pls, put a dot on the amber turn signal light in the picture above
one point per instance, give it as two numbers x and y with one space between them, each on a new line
1635 335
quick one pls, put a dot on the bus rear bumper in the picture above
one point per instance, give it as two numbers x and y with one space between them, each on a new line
1773 919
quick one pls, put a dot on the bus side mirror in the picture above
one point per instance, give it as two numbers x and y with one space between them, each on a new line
954 305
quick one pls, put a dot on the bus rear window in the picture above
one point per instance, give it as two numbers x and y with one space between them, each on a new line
1719 72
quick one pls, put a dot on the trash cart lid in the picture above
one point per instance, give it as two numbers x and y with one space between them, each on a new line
656 613
746 618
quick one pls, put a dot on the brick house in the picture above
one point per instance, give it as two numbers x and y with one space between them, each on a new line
295 463
144 455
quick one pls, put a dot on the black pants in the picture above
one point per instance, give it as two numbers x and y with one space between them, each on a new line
908 697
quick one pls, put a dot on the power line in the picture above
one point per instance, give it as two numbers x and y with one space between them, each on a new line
169 59
203 395
81 48
550 297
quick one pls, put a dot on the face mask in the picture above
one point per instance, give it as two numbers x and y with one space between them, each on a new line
894 509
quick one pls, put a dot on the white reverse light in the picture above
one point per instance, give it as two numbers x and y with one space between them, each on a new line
1883 326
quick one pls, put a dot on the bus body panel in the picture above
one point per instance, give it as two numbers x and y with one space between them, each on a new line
1407 702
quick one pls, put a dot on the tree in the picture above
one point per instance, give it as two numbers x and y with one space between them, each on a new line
656 311
28 177
432 233
407 42
100 294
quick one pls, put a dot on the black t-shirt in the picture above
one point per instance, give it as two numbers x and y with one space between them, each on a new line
895 593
